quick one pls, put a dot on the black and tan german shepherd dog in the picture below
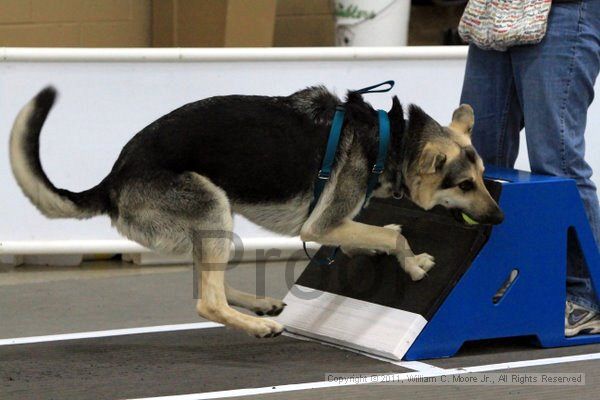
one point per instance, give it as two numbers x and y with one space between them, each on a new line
181 178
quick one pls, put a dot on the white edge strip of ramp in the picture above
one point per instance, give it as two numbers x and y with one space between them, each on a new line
356 324
108 333
418 366
390 377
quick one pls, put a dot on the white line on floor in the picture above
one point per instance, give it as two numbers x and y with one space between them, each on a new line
396 377
112 332
417 366
530 363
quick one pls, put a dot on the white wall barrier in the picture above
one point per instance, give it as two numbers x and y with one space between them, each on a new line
107 95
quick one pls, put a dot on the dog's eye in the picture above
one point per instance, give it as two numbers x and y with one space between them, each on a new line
447 183
465 186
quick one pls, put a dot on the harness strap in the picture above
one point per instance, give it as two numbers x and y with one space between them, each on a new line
384 141
332 145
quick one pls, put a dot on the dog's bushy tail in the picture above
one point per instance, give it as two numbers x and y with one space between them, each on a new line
27 168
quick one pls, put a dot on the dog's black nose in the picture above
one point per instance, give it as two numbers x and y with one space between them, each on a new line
495 218
498 220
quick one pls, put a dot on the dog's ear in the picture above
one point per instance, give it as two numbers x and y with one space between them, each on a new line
463 119
396 116
432 160
420 122
396 113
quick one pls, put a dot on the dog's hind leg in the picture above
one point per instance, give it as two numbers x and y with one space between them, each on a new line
260 306
211 248
183 213
211 255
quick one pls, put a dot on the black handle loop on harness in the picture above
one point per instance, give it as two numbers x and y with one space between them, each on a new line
322 263
371 89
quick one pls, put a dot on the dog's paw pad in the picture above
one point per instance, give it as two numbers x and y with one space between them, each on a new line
417 274
268 306
276 310
268 329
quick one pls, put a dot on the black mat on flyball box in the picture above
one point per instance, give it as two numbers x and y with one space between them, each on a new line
149 365
380 280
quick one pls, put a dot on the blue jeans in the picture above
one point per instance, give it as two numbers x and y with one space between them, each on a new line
546 88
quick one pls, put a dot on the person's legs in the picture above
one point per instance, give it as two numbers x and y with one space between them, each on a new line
555 83
489 88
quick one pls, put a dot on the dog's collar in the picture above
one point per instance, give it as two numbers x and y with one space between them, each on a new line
399 188
402 192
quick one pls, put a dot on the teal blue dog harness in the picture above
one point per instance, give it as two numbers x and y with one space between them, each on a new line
331 150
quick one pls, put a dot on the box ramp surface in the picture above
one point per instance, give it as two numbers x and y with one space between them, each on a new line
368 302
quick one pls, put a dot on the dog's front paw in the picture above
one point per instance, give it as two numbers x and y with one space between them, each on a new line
425 261
266 328
417 266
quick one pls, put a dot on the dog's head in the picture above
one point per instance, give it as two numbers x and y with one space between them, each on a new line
436 165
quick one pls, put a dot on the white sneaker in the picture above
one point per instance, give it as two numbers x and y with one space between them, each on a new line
580 320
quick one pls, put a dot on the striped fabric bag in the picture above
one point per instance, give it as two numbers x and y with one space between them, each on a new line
500 24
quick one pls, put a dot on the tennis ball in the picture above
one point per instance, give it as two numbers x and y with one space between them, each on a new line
469 220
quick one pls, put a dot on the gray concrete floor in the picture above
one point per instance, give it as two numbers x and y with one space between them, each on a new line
111 295
114 294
